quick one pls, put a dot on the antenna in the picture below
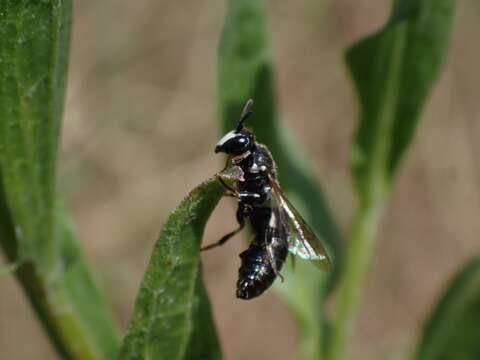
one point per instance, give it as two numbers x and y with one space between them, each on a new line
246 112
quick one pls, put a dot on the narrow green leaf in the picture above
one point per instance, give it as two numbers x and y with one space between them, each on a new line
34 41
454 326
203 342
8 268
34 45
171 318
82 313
393 72
246 71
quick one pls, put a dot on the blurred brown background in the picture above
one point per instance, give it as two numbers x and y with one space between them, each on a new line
139 133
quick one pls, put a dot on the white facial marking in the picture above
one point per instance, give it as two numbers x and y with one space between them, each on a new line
226 137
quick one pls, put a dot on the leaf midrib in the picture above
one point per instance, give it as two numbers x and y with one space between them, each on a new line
378 179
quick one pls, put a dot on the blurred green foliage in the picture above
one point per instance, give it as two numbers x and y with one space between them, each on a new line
393 72
452 330
34 232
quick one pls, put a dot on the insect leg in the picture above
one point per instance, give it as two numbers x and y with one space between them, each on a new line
232 191
241 221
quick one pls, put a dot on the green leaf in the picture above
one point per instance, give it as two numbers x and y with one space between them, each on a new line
9 268
171 318
203 342
246 71
33 58
393 72
34 45
453 328
85 320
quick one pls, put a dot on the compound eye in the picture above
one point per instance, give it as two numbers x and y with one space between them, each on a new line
243 141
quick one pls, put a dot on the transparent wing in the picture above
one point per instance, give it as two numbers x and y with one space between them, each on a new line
302 242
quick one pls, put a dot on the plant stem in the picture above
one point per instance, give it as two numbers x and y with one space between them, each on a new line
358 257
374 189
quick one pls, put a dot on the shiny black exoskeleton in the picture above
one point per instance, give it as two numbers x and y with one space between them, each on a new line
264 258
278 228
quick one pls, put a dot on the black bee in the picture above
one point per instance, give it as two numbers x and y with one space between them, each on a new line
277 226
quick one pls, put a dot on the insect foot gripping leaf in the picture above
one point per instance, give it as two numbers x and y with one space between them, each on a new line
233 173
172 318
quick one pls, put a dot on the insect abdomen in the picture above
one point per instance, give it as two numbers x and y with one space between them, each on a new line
256 273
